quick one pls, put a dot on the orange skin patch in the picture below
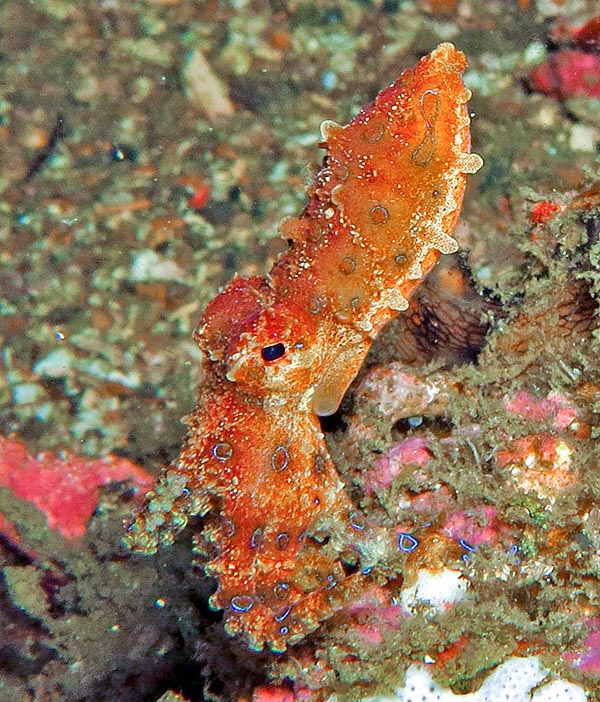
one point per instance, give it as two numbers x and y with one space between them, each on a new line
281 350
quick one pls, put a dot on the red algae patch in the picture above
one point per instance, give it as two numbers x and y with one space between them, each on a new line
65 488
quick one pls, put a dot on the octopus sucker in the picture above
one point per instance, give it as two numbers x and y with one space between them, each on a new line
280 350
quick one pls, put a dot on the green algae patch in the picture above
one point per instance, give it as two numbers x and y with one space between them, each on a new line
25 590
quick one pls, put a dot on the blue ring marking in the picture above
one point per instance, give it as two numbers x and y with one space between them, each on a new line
467 546
407 542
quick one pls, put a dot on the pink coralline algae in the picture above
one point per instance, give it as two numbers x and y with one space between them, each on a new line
65 488
555 406
412 451
475 527
568 74
588 659
573 70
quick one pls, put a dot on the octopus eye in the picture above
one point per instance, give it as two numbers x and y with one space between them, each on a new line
273 352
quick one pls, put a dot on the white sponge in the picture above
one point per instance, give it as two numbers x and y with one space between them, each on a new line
513 681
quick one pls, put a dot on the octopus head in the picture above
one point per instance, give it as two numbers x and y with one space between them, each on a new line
269 348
